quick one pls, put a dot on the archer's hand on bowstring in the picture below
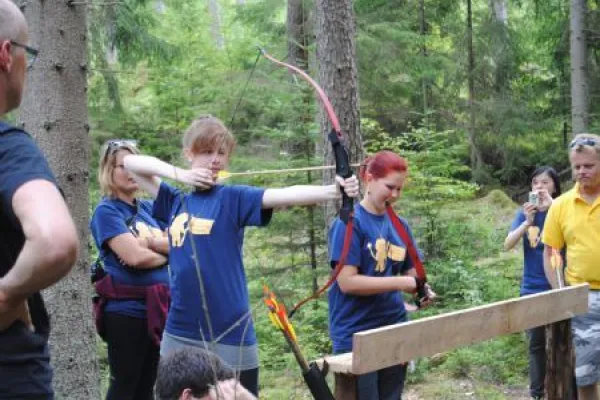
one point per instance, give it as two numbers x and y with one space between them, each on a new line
350 185
429 298
201 178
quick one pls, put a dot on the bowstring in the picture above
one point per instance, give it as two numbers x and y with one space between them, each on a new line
239 102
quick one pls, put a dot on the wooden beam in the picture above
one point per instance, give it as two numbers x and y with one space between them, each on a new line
395 344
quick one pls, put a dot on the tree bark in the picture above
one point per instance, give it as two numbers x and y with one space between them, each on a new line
560 362
298 42
579 80
499 10
500 45
476 162
214 10
336 58
54 111
425 88
297 19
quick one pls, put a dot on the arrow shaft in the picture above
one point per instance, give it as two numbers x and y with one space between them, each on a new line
281 171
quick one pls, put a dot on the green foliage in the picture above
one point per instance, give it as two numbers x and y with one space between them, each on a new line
413 101
435 172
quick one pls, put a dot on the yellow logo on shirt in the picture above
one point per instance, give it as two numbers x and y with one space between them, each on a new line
179 228
385 250
533 235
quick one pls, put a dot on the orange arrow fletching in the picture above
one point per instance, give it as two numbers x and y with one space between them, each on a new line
278 313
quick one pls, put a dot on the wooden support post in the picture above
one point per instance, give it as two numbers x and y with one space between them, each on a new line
395 344
560 362
345 386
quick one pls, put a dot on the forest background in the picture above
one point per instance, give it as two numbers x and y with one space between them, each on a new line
476 94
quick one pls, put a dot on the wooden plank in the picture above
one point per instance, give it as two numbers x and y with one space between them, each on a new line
392 345
340 363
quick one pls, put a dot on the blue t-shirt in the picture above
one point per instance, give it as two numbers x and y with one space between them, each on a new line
113 217
377 250
216 221
24 360
534 279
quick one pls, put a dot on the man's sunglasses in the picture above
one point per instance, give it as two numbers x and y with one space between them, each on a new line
30 51
583 142
117 144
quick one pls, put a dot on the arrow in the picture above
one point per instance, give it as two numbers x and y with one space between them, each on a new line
222 175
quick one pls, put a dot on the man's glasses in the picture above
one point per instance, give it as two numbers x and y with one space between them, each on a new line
117 144
30 51
583 142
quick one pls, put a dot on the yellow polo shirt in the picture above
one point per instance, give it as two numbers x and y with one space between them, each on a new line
574 223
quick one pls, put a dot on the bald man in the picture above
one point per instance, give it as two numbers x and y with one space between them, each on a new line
38 240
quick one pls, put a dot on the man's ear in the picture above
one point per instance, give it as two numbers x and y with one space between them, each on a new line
5 56
186 394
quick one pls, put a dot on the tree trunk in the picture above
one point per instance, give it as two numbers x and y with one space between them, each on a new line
297 20
215 14
500 44
336 58
499 10
560 383
424 82
579 79
475 155
55 112
160 6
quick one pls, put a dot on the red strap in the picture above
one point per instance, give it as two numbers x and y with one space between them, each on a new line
410 245
338 268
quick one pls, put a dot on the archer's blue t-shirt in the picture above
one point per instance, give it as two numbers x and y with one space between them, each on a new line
206 231
377 250
534 279
113 217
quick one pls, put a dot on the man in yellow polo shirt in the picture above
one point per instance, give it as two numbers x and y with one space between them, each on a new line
573 222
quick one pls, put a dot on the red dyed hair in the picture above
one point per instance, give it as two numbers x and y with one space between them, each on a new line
381 164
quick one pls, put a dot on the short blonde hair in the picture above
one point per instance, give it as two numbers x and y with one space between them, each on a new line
108 163
206 133
583 140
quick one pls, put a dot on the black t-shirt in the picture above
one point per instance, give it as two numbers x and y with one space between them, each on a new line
21 161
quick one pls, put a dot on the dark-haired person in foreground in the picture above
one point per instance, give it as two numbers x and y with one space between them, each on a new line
191 373
38 239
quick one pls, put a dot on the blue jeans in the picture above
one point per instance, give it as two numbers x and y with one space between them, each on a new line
384 384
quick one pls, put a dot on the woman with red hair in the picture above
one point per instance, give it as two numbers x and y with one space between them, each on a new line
377 269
